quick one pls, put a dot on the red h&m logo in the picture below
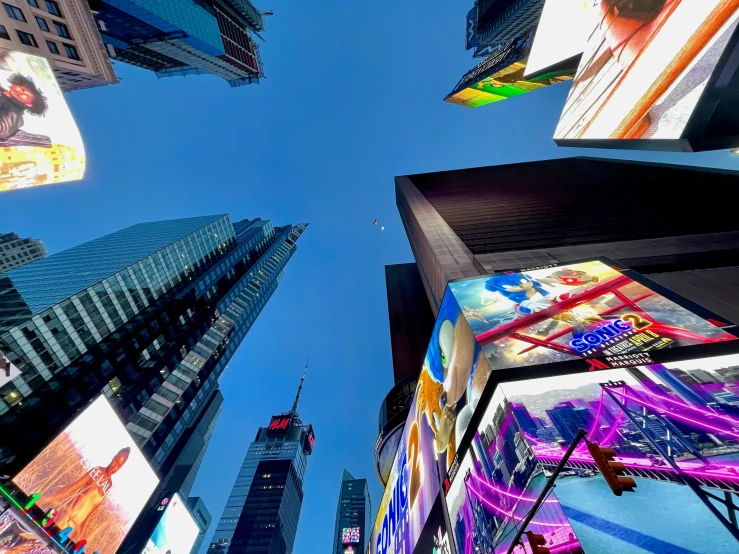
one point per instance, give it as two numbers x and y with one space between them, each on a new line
279 423
311 439
597 364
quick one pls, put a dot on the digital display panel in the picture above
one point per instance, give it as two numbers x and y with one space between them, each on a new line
94 476
644 69
350 535
581 310
176 532
561 34
39 140
435 537
18 536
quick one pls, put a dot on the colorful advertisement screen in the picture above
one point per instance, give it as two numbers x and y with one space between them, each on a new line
39 140
17 536
175 533
674 427
94 476
561 34
580 310
350 535
644 68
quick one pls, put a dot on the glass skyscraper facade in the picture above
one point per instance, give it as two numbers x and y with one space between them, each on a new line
149 315
261 515
353 516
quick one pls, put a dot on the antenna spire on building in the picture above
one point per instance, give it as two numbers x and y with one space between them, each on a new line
294 409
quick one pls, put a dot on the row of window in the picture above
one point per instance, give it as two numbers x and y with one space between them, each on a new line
17 14
29 40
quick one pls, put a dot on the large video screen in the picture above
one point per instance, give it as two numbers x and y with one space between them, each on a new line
644 68
94 475
575 311
18 536
674 426
176 532
39 140
561 35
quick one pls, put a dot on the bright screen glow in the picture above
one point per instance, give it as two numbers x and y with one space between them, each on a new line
562 33
39 140
94 475
350 535
176 532
17 536
645 67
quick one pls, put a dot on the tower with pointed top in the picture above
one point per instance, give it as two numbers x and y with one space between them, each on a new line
353 516
261 515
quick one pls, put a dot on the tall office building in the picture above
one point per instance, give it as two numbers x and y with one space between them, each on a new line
261 515
15 251
353 516
184 37
150 316
62 31
472 222
493 23
202 518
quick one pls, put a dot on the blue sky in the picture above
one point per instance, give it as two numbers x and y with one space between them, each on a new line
353 97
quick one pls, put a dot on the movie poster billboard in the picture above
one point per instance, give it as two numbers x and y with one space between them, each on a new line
39 140
176 532
18 536
435 538
94 476
674 426
643 71
580 310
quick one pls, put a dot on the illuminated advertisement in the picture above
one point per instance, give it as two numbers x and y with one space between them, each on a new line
580 310
39 140
17 536
674 427
175 533
435 538
350 535
94 476
561 35
644 69
499 77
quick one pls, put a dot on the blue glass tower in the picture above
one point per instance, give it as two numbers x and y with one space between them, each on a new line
353 516
149 316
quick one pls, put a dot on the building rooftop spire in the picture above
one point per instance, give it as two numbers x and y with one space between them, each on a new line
294 409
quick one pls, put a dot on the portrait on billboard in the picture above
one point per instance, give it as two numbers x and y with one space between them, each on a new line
176 532
645 67
674 426
17 536
39 140
94 476
581 310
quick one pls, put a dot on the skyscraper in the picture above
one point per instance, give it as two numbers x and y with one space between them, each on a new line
15 251
149 315
184 37
261 515
353 516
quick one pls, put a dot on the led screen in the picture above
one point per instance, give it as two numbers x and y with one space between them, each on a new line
580 310
350 535
435 538
39 140
644 68
561 34
94 475
175 533
17 536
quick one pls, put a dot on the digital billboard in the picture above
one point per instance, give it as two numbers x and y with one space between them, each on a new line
175 533
644 70
39 140
561 35
18 536
435 538
580 310
94 476
350 535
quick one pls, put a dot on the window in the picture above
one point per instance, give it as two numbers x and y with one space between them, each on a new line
61 30
53 48
53 8
71 51
42 24
27 38
14 13
33 3
4 34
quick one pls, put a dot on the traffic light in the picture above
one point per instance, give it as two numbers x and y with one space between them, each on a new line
536 543
611 470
